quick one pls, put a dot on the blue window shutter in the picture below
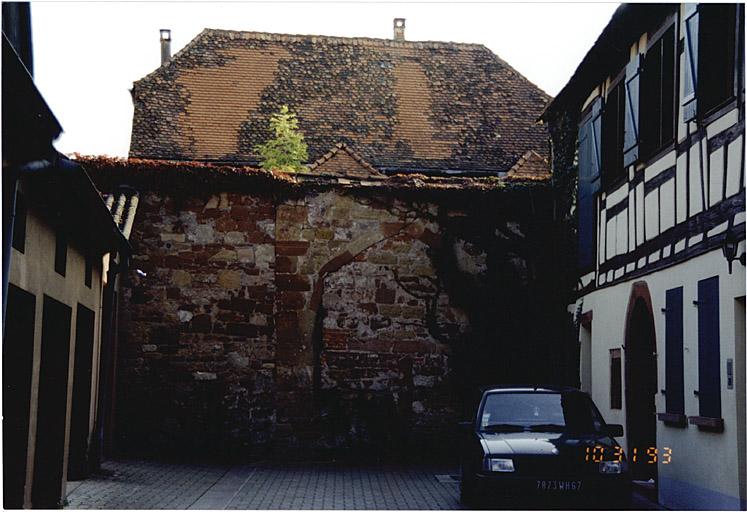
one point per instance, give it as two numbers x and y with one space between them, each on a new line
584 156
690 78
586 252
632 86
596 143
588 184
675 375
709 364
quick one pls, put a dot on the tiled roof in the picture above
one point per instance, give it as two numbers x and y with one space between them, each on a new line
401 106
531 166
178 177
343 161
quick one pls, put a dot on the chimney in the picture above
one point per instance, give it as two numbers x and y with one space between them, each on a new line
165 46
399 29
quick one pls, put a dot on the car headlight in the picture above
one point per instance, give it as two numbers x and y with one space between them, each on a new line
499 465
611 467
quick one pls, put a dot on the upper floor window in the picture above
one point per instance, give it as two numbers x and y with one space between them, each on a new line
613 136
88 274
710 42
716 55
60 252
19 224
657 97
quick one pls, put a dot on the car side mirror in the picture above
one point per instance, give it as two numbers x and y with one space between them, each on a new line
615 430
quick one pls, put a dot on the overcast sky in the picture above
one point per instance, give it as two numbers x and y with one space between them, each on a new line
87 54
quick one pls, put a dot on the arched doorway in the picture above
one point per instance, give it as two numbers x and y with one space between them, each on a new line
640 383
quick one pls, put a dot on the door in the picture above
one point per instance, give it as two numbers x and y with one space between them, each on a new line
640 390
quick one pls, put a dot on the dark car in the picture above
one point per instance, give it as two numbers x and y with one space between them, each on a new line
541 447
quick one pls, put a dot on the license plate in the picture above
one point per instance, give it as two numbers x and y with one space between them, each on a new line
559 485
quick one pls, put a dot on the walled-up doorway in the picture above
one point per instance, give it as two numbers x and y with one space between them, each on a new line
640 384
46 490
18 359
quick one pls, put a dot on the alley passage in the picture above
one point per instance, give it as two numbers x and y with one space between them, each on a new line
139 484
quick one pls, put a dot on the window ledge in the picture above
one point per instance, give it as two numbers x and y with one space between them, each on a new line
716 112
707 424
659 153
672 419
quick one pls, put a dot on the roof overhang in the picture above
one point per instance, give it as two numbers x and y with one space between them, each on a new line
28 124
66 197
610 53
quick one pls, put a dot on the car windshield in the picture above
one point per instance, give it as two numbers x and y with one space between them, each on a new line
540 411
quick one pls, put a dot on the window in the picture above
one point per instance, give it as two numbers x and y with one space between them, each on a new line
60 252
710 35
615 379
675 376
716 55
709 365
19 224
613 136
657 95
89 269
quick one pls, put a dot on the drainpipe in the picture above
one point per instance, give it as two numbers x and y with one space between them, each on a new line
9 217
106 368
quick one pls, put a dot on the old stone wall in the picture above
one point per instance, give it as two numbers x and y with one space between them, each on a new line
327 321
197 342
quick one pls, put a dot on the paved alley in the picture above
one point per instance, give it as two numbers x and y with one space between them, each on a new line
140 484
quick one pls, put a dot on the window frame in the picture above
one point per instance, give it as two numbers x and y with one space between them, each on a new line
717 110
649 153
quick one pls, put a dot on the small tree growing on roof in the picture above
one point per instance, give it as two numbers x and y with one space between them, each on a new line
287 151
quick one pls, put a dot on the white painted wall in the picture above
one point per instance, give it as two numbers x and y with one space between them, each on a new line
704 469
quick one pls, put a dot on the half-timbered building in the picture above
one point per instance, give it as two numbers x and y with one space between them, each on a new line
658 105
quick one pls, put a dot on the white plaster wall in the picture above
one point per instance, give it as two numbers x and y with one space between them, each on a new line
704 468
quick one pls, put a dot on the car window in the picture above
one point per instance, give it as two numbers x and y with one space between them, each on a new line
572 411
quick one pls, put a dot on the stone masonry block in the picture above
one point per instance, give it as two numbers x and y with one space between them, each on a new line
291 248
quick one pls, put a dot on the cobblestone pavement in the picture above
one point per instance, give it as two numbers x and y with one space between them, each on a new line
139 484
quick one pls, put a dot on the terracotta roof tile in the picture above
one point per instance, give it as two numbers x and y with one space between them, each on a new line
343 161
401 106
531 165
